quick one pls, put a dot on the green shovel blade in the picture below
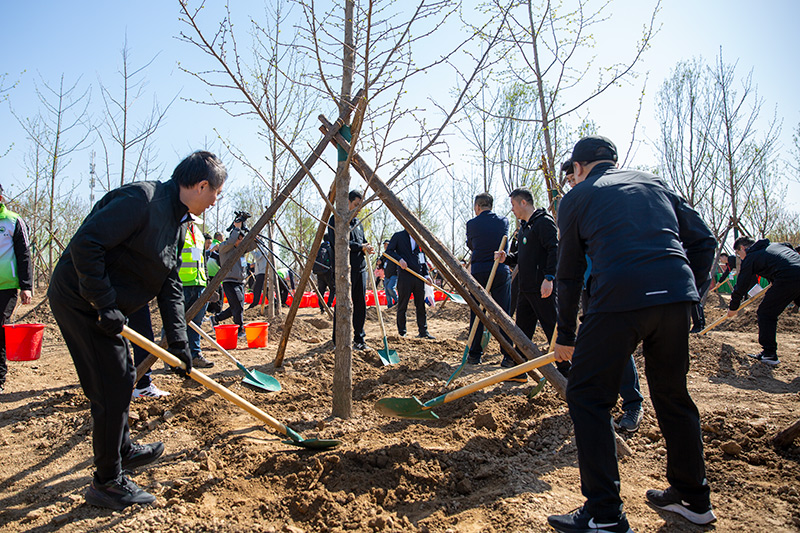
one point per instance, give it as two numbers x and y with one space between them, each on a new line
314 444
388 357
538 388
457 298
485 338
261 380
404 408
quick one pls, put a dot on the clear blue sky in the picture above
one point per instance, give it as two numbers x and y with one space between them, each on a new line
84 38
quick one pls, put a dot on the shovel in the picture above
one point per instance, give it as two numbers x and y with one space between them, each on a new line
455 297
388 357
413 408
485 338
724 317
210 384
251 377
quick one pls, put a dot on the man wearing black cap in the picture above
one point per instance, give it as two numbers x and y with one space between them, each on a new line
647 248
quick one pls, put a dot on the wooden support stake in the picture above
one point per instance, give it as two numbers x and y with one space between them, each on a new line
249 239
304 277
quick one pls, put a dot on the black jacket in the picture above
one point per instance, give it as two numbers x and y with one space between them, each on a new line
358 261
537 251
484 234
126 252
389 268
776 262
400 248
647 246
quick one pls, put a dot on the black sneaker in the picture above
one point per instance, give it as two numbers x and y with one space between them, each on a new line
522 378
629 421
358 345
670 500
507 362
117 494
767 358
473 359
579 521
141 455
201 362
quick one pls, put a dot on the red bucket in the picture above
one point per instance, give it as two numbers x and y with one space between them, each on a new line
256 334
227 335
23 341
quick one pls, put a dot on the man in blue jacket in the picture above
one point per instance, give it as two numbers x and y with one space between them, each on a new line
647 248
125 253
484 234
780 264
16 272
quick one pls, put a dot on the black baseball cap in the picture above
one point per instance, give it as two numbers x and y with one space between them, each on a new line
566 167
594 148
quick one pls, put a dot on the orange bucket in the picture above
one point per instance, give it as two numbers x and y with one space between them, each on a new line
227 335
23 341
256 334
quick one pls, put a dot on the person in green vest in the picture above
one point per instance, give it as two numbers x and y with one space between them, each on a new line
15 272
194 279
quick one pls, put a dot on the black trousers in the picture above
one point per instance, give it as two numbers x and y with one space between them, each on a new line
258 287
325 282
698 313
234 290
501 293
602 350
8 300
140 322
106 373
406 286
358 293
781 294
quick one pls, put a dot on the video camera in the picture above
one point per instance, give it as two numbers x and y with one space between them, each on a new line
240 216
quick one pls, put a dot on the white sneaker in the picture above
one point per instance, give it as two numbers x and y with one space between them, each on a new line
151 391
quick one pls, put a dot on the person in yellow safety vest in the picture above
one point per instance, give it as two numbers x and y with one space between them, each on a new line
194 279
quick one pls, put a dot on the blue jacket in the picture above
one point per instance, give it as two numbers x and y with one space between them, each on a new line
484 233
647 246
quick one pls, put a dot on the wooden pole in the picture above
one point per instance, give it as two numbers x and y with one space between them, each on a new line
494 318
304 277
785 438
344 115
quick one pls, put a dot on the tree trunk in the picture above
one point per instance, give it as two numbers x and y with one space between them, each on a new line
343 359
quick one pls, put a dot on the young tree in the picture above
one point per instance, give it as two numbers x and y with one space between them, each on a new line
132 141
59 130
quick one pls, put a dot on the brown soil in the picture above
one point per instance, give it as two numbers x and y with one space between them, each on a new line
494 461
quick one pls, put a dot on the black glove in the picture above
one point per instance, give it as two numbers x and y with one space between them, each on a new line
111 320
181 350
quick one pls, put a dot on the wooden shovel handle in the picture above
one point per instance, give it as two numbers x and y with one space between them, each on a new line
396 262
724 317
207 337
500 376
375 294
202 379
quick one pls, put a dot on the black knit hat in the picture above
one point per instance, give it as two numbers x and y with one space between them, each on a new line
594 148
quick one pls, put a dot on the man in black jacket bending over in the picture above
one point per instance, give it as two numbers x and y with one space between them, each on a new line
647 248
125 253
536 255
406 250
780 264
358 270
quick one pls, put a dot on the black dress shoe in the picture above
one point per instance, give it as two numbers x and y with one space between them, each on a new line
425 335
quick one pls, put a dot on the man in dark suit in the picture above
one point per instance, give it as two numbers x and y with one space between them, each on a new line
406 250
484 234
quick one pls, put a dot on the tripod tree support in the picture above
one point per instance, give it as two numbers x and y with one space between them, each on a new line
473 293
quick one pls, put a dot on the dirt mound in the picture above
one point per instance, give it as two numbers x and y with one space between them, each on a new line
493 461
